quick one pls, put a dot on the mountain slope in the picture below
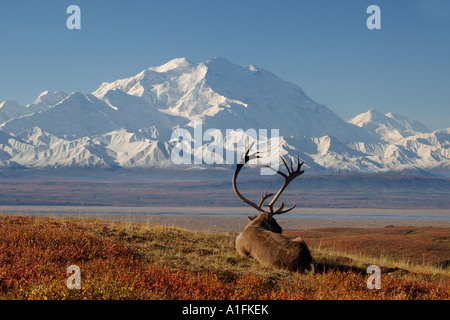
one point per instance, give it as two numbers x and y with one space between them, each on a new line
9 109
426 151
45 100
78 115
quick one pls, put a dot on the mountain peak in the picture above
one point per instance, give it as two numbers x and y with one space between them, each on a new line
9 104
222 63
10 109
374 113
367 118
413 125
395 116
389 127
217 59
44 94
178 63
47 98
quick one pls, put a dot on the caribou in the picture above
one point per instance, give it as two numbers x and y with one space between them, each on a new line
262 238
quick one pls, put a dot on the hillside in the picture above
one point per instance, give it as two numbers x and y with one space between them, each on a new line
131 261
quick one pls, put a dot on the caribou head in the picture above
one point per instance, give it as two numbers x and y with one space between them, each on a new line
262 238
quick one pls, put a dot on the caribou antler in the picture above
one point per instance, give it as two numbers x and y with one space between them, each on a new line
264 197
239 166
291 175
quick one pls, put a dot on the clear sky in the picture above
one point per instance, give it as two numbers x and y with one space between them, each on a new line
323 46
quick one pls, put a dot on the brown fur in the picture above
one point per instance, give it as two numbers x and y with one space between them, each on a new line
262 238
263 241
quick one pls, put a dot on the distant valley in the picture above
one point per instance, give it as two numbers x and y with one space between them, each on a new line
166 187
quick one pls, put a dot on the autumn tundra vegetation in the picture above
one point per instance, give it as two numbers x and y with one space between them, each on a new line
123 260
120 260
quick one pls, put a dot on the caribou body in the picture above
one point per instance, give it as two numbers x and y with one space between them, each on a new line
262 238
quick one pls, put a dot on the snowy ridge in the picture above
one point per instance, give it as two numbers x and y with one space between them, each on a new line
128 123
389 127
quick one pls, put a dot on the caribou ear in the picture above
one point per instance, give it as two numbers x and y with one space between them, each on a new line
252 217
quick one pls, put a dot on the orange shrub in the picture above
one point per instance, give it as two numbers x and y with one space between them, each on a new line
35 254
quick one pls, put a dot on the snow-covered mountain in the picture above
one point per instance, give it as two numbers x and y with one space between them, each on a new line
389 127
11 109
226 95
129 123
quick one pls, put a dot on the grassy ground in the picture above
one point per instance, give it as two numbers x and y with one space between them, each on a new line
137 261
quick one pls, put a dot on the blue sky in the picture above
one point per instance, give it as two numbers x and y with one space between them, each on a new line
323 46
